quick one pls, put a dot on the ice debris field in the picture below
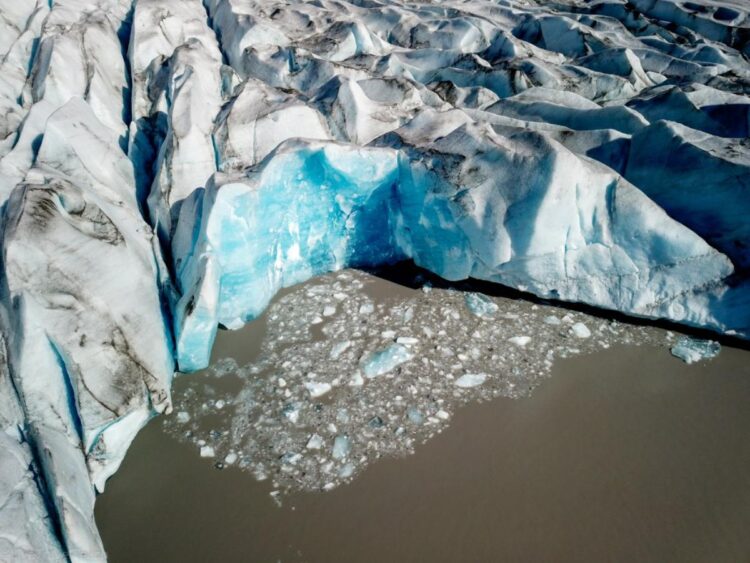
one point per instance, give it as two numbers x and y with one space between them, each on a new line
352 368
167 167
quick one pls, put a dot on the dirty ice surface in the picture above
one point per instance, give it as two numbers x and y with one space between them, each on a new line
353 367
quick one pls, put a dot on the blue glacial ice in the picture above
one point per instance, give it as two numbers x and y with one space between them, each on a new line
691 350
520 210
385 360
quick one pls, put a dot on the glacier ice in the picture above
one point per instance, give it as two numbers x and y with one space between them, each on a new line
317 206
166 167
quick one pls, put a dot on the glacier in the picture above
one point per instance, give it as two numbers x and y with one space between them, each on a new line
167 167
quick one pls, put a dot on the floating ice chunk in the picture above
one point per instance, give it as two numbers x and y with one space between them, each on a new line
329 310
375 422
470 380
552 320
385 360
414 415
315 442
291 458
366 308
339 348
356 380
480 305
691 350
520 340
317 388
346 471
442 415
183 417
207 451
291 412
231 458
220 404
580 330
407 340
341 447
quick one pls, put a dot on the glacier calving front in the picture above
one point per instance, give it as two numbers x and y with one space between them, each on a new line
166 167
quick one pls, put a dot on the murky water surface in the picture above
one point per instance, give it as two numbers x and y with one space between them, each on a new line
444 425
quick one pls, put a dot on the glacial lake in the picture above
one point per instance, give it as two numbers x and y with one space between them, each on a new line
613 450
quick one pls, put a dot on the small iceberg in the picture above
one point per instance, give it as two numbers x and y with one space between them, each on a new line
691 350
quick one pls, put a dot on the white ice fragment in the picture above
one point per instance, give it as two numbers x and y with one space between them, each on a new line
329 310
691 350
291 412
207 451
356 380
220 404
407 340
231 458
315 442
317 388
414 415
339 348
470 380
580 330
385 360
366 308
346 471
183 417
442 415
341 447
520 340
552 320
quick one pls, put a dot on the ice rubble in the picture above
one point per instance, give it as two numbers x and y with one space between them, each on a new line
271 426
544 146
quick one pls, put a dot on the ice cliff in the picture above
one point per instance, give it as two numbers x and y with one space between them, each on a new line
166 167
